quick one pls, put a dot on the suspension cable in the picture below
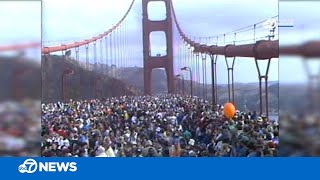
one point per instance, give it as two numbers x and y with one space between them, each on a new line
95 55
120 50
127 45
111 55
123 45
254 33
115 60
180 54
106 48
87 56
197 70
47 50
118 59
77 54
101 56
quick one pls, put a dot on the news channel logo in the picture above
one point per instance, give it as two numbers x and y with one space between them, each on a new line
270 24
274 23
31 166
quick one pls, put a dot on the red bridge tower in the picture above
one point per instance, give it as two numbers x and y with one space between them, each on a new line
151 62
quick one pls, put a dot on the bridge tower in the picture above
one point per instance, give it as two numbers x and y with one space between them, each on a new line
152 62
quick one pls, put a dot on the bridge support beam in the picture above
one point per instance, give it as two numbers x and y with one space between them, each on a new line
265 77
313 88
151 62
230 78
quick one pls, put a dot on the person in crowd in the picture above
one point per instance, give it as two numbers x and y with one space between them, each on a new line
153 126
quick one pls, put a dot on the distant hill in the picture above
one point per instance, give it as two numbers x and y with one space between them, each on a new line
134 77
20 78
293 98
82 84
246 94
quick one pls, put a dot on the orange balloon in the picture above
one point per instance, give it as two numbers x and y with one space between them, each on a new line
229 110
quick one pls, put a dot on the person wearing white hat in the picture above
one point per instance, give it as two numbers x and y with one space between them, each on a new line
191 142
101 152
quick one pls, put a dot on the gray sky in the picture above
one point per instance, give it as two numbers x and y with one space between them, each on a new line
74 20
21 23
306 27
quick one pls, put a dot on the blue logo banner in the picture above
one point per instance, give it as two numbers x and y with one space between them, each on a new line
159 168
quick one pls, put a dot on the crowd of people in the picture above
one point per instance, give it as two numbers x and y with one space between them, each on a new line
300 134
154 126
20 128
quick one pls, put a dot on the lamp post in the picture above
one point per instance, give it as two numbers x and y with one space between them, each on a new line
204 79
189 69
181 76
113 71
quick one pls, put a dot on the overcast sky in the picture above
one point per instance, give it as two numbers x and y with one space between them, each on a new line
74 20
306 27
21 23
79 19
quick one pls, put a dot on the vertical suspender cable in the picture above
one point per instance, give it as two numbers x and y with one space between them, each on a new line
185 54
101 55
106 48
115 53
254 33
111 55
119 55
95 55
120 46
77 54
87 56
125 44
215 74
180 54
120 51
205 71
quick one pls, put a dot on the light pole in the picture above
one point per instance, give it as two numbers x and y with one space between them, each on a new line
204 79
113 71
180 75
214 78
189 69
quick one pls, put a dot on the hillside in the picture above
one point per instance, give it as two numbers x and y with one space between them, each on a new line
82 84
246 94
20 78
